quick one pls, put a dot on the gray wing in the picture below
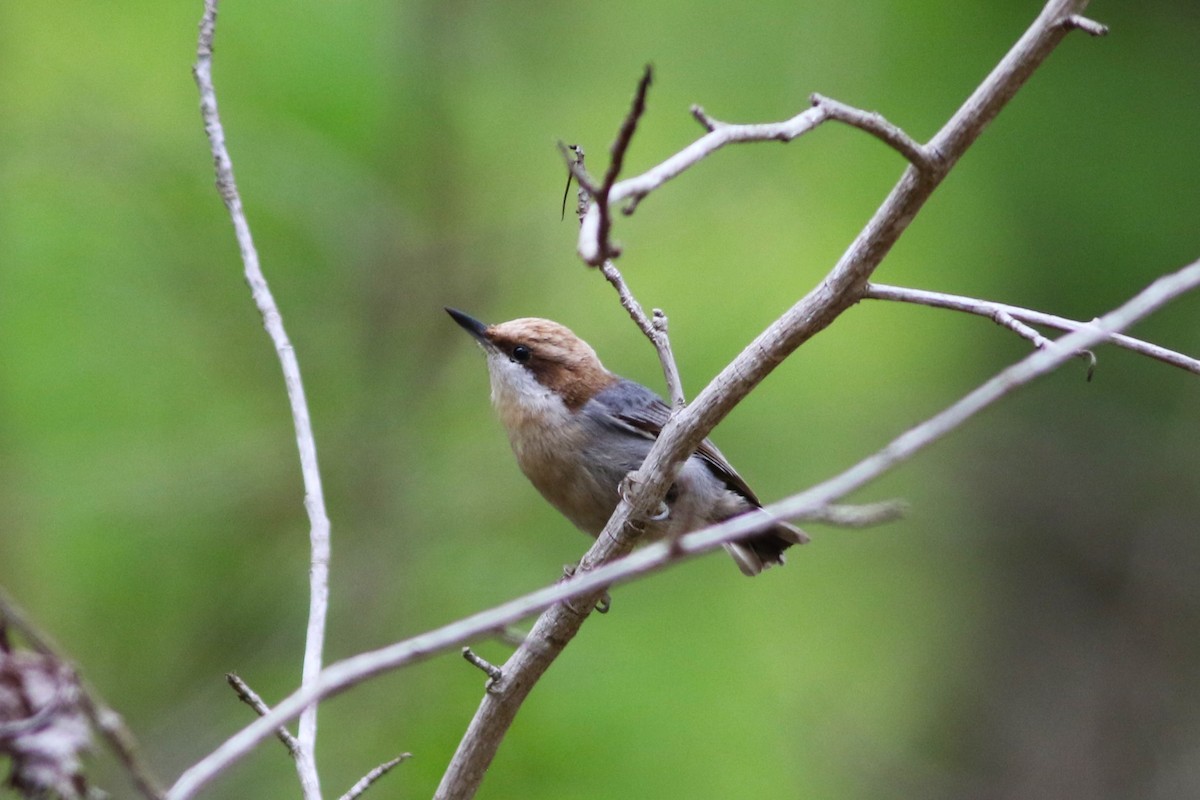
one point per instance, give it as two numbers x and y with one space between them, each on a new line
635 409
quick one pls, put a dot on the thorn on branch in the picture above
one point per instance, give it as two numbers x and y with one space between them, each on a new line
877 125
1089 26
704 119
491 670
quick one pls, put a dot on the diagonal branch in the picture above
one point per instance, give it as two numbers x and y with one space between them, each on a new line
314 500
251 698
988 308
813 503
682 434
601 195
845 284
654 329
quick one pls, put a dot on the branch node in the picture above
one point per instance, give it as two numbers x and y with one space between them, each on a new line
710 124
1079 22
491 670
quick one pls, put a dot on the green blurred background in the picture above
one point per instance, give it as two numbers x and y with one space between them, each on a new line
1031 629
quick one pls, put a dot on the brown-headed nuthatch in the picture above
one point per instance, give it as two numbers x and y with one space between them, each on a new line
577 430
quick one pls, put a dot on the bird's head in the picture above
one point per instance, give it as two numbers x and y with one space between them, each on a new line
532 361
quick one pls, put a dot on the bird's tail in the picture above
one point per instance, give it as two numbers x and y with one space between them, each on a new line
755 554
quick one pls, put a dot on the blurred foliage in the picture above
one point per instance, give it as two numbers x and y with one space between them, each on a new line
1029 631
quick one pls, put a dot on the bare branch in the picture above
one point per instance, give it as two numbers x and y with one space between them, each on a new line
989 309
314 500
251 698
704 119
637 187
1006 320
841 288
605 249
625 135
655 330
383 769
857 516
876 125
811 503
600 567
104 719
1088 26
488 668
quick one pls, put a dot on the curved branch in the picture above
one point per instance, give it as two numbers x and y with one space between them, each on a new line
314 498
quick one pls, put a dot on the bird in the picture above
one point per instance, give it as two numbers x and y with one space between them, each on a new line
578 429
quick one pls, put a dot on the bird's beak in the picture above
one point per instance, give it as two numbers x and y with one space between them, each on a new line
470 325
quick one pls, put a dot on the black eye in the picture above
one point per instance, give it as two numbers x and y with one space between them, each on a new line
521 354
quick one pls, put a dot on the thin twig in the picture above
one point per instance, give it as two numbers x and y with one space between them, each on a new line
655 330
104 719
493 672
662 342
314 500
607 249
875 124
988 308
704 119
251 698
864 515
635 188
365 783
1006 320
1088 26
